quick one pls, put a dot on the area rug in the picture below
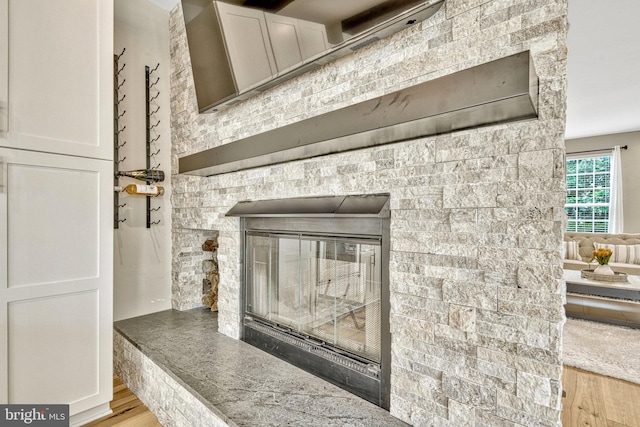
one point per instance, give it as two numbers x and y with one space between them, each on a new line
608 350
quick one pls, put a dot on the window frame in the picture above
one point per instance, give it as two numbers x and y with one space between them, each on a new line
592 176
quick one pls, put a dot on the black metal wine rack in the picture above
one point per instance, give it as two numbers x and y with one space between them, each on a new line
152 93
118 142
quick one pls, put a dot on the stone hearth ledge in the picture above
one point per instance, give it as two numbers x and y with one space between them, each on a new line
189 374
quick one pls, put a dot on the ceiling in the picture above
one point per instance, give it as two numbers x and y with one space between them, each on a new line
603 66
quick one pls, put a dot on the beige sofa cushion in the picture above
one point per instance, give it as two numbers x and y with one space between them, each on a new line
586 244
586 241
571 250
628 254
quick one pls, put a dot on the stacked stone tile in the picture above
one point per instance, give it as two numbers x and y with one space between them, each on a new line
189 266
476 216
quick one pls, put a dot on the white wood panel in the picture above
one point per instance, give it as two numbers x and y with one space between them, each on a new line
59 56
61 236
54 348
247 40
4 69
314 38
284 33
56 209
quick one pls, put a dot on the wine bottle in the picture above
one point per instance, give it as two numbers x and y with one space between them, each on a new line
142 190
144 174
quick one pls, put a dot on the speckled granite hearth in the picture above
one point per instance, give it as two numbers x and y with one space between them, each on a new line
190 375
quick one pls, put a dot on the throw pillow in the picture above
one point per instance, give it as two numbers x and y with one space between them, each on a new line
627 254
570 250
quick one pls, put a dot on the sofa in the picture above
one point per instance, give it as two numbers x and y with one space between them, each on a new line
586 243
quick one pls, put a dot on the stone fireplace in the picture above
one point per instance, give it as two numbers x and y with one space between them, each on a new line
476 215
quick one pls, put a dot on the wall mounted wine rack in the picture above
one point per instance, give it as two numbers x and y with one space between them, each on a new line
152 173
152 93
118 142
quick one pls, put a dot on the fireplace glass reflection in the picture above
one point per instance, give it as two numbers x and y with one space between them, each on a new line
325 289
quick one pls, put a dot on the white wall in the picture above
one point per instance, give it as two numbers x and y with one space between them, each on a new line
630 170
142 258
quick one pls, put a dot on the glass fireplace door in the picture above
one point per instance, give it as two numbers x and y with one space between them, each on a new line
324 288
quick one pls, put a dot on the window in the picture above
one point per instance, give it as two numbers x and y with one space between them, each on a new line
588 194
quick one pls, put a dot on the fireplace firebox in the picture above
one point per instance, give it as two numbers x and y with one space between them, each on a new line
316 288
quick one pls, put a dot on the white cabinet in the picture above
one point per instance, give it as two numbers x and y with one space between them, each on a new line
55 92
314 38
286 40
56 211
248 46
294 40
4 70
56 281
234 49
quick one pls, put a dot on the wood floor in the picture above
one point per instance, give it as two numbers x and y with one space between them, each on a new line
597 401
128 410
591 400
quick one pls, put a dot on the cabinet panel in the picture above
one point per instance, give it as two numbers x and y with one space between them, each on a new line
248 45
314 38
58 63
56 257
284 33
4 69
36 190
54 348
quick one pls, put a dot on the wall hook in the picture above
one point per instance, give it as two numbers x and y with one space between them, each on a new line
157 95
154 83
122 145
155 111
155 222
151 71
122 160
155 139
121 53
122 220
155 154
121 84
121 99
120 70
120 130
122 205
155 209
155 167
153 126
122 114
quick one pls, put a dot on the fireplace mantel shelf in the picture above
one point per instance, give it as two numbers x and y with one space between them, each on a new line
240 383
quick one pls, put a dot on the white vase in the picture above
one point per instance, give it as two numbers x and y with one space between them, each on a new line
604 269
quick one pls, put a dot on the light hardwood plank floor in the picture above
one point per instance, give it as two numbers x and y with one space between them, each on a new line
597 401
127 409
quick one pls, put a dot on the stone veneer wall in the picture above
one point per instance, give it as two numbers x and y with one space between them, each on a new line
186 266
476 216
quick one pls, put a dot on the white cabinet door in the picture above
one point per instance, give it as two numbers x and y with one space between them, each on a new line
314 38
56 63
4 70
248 45
286 41
55 279
294 40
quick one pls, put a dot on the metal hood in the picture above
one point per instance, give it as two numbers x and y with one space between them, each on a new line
495 92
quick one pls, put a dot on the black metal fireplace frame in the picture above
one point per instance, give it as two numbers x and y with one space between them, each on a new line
354 216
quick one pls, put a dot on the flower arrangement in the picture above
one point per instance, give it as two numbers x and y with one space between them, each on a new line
602 255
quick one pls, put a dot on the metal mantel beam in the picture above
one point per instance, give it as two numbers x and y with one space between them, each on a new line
495 92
